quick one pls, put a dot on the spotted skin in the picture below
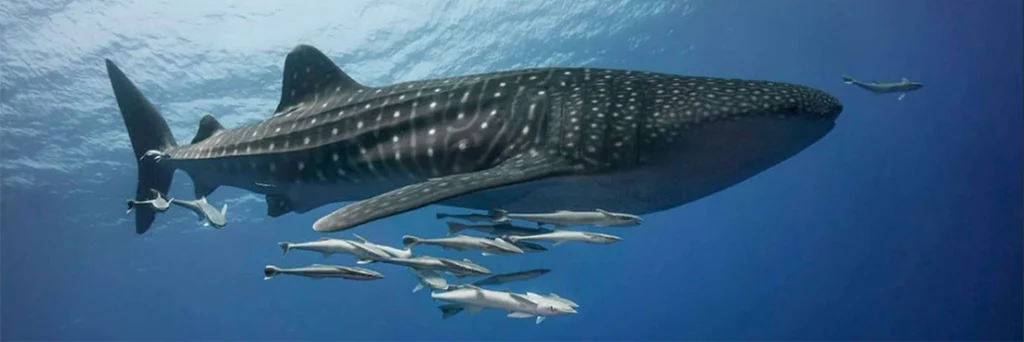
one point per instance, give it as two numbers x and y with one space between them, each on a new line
526 140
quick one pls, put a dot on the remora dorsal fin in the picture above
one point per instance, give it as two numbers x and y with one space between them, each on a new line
307 72
208 127
521 168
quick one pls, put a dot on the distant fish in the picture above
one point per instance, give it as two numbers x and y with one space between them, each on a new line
902 87
318 271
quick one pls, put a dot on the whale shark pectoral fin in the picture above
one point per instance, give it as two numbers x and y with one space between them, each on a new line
522 168
308 73
902 95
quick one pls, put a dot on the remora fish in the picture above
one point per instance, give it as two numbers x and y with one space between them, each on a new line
474 299
566 218
511 277
564 236
902 87
158 203
501 229
457 268
329 246
318 271
530 140
205 211
492 246
429 278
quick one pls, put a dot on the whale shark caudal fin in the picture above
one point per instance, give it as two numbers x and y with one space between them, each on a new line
521 168
148 133
847 79
285 247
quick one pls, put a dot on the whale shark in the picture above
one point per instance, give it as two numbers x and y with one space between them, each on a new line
535 139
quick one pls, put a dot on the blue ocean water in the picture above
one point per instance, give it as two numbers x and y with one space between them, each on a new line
903 223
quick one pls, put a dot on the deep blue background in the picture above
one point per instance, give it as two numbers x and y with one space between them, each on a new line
904 223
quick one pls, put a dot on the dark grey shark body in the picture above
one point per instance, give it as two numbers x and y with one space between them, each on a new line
523 140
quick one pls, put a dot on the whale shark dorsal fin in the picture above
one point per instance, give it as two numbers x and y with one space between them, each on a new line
521 168
224 210
208 127
905 80
308 72
360 238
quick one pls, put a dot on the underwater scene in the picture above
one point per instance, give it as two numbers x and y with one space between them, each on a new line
535 170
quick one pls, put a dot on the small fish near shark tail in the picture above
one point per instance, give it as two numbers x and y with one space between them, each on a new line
410 241
150 135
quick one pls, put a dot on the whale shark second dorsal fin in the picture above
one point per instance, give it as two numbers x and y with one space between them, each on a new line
208 127
905 80
307 73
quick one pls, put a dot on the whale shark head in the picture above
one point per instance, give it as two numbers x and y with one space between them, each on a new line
681 138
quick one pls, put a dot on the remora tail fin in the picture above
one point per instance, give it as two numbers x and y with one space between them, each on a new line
409 241
270 271
148 132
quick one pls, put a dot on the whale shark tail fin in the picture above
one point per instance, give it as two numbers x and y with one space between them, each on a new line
847 79
150 136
